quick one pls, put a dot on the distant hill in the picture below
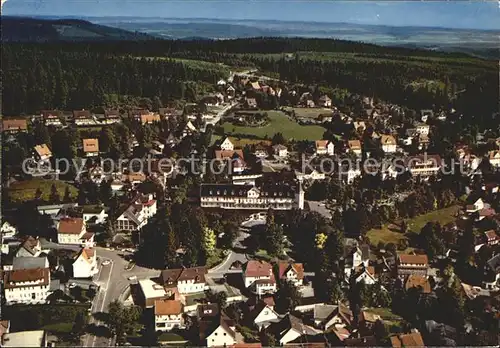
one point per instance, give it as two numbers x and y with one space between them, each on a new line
23 29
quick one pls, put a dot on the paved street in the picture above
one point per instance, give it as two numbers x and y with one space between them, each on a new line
114 284
320 207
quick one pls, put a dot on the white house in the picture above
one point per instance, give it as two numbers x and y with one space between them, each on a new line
91 147
258 277
227 145
29 286
85 264
168 315
476 206
94 214
422 128
494 157
264 315
351 174
355 258
325 101
291 328
366 275
222 335
31 247
280 150
187 280
7 230
51 118
74 231
221 82
42 152
137 214
291 272
324 147
388 143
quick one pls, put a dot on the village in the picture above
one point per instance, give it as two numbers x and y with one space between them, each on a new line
260 132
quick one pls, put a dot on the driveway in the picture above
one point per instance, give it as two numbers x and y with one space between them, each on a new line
319 207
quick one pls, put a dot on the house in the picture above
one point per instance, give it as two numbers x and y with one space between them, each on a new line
475 207
149 118
290 328
111 116
187 280
85 264
494 158
368 319
189 129
328 316
412 264
27 286
413 339
291 272
354 146
218 332
325 101
34 338
310 174
324 147
7 230
227 145
221 82
137 214
419 282
365 274
258 277
388 143
359 127
168 315
151 291
261 151
51 118
264 315
91 147
424 165
491 237
231 92
94 214
356 257
42 152
251 103
31 247
83 118
280 150
74 231
14 125
422 128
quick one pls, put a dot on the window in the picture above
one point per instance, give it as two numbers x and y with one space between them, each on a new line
33 296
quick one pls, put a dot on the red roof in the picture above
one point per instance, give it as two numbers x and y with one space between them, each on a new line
70 226
414 259
256 268
285 266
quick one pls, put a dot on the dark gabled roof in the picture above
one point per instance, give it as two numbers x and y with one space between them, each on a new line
225 190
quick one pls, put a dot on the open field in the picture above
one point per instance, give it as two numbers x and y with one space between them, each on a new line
239 142
279 122
22 191
385 235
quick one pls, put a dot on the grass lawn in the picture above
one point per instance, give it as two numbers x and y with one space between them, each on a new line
239 142
385 313
279 122
262 254
169 336
59 328
216 258
385 235
22 191
191 299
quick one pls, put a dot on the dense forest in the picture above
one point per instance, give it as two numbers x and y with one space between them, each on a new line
78 75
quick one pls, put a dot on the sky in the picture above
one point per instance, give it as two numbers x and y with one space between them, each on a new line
475 14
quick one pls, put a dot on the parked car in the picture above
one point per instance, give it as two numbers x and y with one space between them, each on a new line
106 262
132 278
72 285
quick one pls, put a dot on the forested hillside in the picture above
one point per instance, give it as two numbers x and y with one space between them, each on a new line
76 75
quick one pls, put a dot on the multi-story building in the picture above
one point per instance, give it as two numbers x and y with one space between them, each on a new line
74 231
412 264
187 280
51 117
278 197
137 214
168 315
85 264
258 277
83 118
14 125
424 165
28 286
91 147
291 272
30 247
227 145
